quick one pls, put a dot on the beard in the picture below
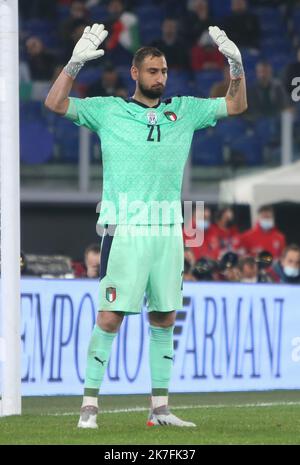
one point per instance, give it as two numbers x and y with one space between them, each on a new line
153 92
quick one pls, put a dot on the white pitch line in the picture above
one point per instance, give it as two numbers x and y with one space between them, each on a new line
183 407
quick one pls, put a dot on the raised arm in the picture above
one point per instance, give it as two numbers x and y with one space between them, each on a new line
236 97
85 50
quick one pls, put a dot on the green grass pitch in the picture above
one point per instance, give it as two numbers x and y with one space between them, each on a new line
270 417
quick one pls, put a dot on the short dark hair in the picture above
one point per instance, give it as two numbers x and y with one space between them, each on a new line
221 210
289 248
266 208
144 52
247 260
95 248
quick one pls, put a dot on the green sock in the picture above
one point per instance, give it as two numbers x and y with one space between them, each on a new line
97 360
161 359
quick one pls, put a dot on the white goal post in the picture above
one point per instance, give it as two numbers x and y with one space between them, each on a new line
10 343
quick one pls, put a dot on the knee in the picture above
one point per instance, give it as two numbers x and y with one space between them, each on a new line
162 320
109 322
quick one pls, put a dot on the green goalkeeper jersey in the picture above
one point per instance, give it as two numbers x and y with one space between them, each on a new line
144 150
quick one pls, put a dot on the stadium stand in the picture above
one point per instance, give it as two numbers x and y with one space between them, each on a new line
280 36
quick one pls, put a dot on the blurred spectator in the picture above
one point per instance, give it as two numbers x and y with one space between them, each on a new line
41 63
228 267
267 96
242 26
202 223
264 235
68 45
287 269
196 21
292 71
189 256
178 8
123 27
224 230
78 14
219 89
172 46
248 270
110 83
187 273
33 9
205 269
205 55
92 261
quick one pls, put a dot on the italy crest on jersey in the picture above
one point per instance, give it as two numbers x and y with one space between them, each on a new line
111 294
152 117
171 115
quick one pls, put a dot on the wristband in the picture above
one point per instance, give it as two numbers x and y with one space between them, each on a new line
73 68
236 69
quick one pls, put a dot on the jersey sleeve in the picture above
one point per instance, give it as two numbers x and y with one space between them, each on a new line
205 112
88 112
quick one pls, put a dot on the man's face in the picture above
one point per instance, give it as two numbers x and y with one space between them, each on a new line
151 76
263 72
92 263
169 29
292 259
238 6
115 8
266 215
207 214
249 271
228 217
34 46
78 10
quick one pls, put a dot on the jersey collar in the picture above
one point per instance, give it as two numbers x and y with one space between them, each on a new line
142 104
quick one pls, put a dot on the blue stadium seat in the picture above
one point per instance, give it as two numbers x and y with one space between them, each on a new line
207 149
150 31
36 26
276 45
66 139
250 58
247 150
205 79
231 129
36 142
119 56
267 13
63 11
280 61
177 84
31 111
267 129
98 13
124 73
250 76
148 13
220 9
42 28
89 74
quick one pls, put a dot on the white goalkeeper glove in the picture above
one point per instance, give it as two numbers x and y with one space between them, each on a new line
229 49
86 48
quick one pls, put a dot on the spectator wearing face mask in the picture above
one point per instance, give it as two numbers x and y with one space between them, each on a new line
287 269
264 235
207 245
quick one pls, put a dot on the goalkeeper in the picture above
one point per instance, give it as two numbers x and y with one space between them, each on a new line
145 143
